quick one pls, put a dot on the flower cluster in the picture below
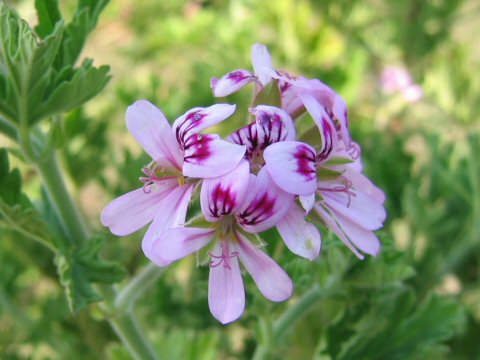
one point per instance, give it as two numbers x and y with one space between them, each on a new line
261 176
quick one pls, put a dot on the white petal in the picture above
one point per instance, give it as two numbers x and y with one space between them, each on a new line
301 237
151 129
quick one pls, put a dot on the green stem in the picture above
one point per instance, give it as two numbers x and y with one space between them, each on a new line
8 129
128 330
137 286
289 318
124 323
65 207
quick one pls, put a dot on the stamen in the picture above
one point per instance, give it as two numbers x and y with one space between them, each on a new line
223 258
344 187
354 151
151 171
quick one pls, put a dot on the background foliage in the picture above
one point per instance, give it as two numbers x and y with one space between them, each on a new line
419 299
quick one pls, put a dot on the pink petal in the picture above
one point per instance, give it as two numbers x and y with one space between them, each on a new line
307 201
231 82
262 62
176 243
171 213
301 237
132 211
362 183
340 112
226 294
357 207
198 119
246 136
272 281
222 195
325 126
291 164
273 125
264 204
207 156
364 239
151 129
332 225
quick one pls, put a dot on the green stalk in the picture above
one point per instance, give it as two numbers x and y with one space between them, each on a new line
137 286
124 323
289 318
128 330
65 207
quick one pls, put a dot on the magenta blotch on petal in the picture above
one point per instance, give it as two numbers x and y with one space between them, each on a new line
231 82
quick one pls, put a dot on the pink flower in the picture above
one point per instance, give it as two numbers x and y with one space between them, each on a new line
297 93
180 157
236 204
396 79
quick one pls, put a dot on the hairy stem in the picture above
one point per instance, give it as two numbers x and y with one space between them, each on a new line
128 330
137 286
289 318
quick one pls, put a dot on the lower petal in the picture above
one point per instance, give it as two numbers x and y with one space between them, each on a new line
226 294
171 213
301 237
134 210
272 281
174 244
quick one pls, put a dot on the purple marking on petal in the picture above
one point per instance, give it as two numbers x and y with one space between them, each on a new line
305 162
201 147
238 76
247 136
328 138
191 121
259 210
222 202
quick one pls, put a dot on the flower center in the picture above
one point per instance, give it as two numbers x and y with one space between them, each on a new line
345 186
224 257
155 174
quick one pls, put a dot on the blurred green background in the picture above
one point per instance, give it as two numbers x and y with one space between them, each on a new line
420 299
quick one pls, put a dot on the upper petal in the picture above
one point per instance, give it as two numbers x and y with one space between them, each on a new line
301 237
262 62
231 82
340 112
198 119
226 294
206 156
132 211
222 195
151 129
291 165
171 213
176 243
326 128
273 125
247 136
264 204
272 281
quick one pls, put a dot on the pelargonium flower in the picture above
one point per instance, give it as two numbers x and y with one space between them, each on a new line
235 204
181 156
297 92
350 204
274 126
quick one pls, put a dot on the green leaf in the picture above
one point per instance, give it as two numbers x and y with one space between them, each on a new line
269 95
48 16
84 84
76 32
405 331
79 270
16 211
31 86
